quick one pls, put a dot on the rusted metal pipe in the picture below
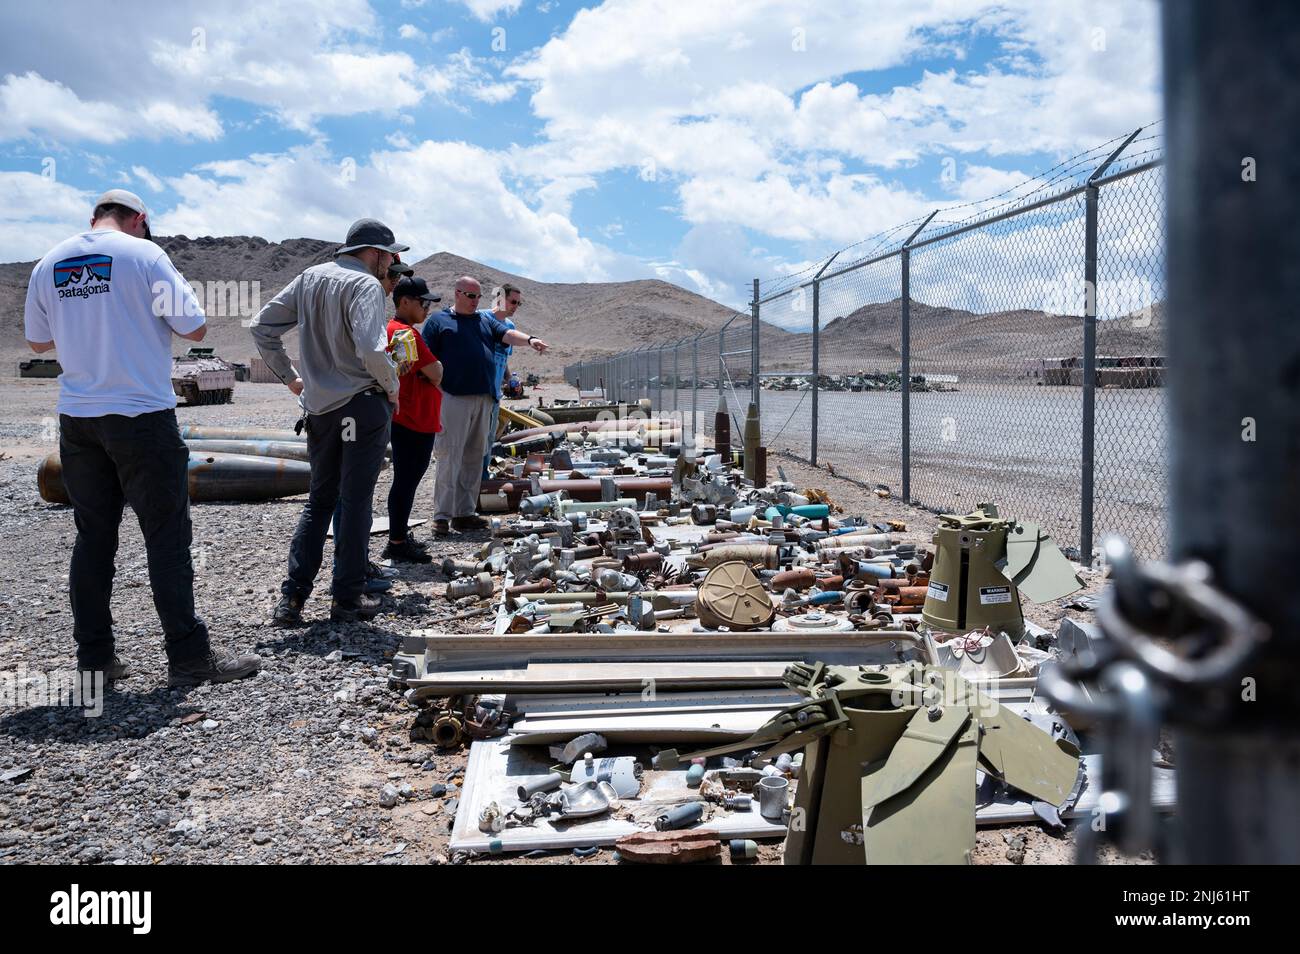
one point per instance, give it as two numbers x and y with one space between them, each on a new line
211 477
579 488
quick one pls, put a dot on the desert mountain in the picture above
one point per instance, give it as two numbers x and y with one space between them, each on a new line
585 321
579 320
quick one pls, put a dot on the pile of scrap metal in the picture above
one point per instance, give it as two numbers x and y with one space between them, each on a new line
881 692
226 463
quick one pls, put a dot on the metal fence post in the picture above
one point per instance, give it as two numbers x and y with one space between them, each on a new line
676 375
905 371
1089 371
1090 352
695 385
659 379
753 348
722 367
816 350
1233 248
816 357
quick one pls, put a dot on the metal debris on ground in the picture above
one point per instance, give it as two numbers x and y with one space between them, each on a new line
653 594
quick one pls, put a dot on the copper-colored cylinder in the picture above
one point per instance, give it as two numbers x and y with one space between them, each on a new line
637 562
543 585
911 595
209 477
722 434
797 579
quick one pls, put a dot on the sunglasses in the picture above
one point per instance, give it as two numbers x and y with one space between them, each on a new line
517 302
468 294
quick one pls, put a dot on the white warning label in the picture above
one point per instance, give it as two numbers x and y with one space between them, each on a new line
937 591
994 594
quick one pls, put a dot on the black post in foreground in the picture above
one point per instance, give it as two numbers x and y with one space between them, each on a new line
1233 112
1208 644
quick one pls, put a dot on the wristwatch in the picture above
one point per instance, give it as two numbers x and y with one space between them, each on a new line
531 339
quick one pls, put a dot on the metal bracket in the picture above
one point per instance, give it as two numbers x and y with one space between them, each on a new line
1137 679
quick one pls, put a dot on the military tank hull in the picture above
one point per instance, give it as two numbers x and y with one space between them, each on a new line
200 377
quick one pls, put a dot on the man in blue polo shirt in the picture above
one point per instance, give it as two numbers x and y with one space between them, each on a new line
465 339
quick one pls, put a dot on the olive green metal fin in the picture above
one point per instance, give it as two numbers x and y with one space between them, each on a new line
931 822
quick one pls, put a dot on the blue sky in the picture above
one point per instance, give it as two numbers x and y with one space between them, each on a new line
702 142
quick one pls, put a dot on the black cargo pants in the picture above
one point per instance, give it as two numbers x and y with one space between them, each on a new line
346 447
108 462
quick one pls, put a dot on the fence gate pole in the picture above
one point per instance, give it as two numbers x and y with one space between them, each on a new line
753 347
1233 248
695 385
676 375
905 372
816 350
722 367
816 355
659 380
1090 351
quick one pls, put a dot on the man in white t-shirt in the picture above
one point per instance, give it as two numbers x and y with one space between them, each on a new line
110 299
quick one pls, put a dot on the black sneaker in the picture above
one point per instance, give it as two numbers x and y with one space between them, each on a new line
287 612
377 580
472 522
363 607
409 550
113 671
442 528
219 665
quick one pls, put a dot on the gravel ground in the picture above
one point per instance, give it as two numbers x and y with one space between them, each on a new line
290 766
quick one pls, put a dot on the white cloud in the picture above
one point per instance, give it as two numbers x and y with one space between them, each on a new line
409 31
487 10
300 62
751 130
36 213
452 197
148 178
33 106
462 75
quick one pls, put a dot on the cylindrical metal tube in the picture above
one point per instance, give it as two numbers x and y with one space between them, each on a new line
865 538
543 585
547 783
754 553
480 585
211 477
640 562
797 579
680 816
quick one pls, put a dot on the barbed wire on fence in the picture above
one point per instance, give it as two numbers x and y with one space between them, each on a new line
955 347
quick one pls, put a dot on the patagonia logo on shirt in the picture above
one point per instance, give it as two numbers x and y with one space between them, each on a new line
83 276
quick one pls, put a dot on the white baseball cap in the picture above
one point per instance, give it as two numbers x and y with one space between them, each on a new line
128 199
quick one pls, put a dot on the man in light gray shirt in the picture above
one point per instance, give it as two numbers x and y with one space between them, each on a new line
348 385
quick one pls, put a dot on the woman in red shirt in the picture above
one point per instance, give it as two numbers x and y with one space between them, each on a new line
418 416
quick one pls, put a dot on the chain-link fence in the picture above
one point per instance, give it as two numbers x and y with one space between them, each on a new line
1009 350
